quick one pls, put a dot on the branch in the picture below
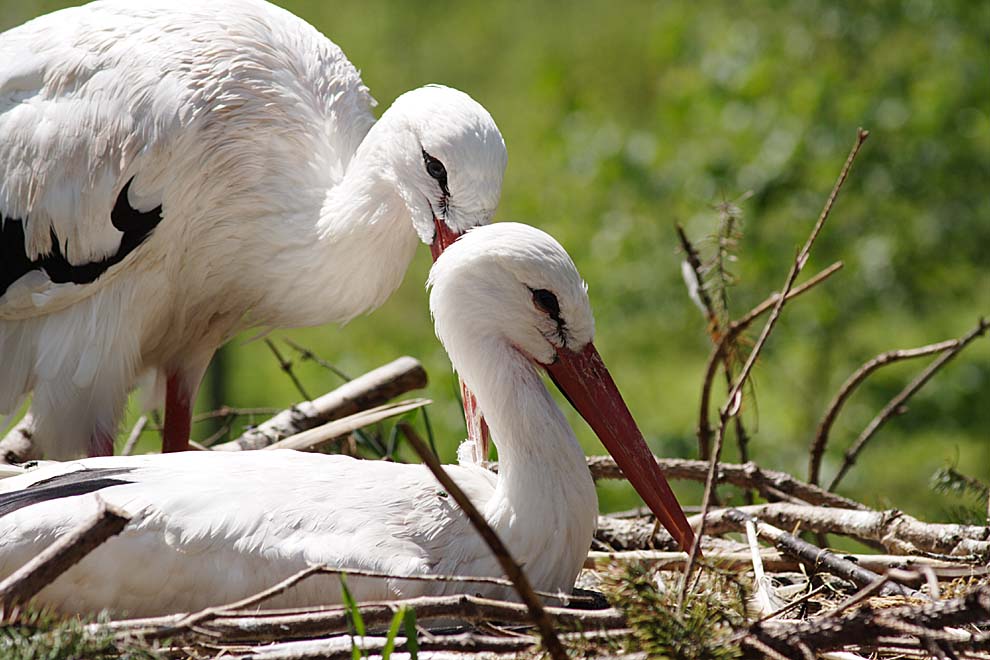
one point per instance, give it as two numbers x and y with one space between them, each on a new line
813 557
898 532
770 483
512 569
733 401
735 328
286 366
24 583
372 389
321 436
895 406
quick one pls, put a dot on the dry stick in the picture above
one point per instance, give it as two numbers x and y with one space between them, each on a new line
286 366
275 626
512 569
134 435
895 405
715 330
306 354
733 400
372 389
770 483
339 429
735 328
896 531
816 558
825 425
24 583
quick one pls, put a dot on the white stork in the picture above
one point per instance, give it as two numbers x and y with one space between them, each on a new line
212 527
174 171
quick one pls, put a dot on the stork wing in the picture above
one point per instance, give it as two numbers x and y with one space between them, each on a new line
116 116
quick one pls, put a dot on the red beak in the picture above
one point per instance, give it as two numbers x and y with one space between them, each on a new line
585 381
443 238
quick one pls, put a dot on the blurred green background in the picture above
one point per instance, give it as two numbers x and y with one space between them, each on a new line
624 118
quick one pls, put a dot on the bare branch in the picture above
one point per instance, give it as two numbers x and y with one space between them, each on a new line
134 435
896 404
821 436
372 389
733 401
321 436
512 569
24 583
770 483
286 366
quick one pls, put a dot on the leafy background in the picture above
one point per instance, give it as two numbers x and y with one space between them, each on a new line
622 119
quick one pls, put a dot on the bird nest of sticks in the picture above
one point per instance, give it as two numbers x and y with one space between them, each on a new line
763 581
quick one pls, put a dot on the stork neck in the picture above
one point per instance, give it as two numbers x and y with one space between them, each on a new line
542 468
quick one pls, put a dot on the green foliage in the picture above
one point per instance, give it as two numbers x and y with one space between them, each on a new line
41 635
701 629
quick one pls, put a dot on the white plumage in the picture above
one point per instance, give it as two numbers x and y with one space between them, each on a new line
211 527
282 201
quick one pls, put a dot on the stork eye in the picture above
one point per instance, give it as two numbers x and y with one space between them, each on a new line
436 169
547 302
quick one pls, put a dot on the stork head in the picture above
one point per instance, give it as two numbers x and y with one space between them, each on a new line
446 158
515 284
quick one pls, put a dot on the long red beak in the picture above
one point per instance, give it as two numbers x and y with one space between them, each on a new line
443 238
587 384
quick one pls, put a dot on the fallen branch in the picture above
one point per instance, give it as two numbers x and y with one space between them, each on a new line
896 404
512 568
770 483
24 583
231 627
898 532
814 558
776 562
869 628
372 389
339 429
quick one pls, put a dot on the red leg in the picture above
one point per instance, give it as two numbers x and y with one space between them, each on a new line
178 415
100 444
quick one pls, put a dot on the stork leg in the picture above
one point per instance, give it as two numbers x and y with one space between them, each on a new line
100 444
178 414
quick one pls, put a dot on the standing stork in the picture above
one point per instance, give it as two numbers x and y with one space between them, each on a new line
212 527
174 171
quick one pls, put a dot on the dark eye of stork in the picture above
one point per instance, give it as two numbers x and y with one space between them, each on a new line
436 170
547 302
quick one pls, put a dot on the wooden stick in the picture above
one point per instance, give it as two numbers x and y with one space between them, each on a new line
372 389
770 483
512 569
24 583
134 435
895 406
330 432
815 558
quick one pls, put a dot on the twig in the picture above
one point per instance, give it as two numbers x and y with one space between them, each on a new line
372 389
825 425
512 569
704 430
813 557
306 354
24 583
286 366
895 530
770 483
733 401
775 562
341 428
694 262
896 404
134 435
